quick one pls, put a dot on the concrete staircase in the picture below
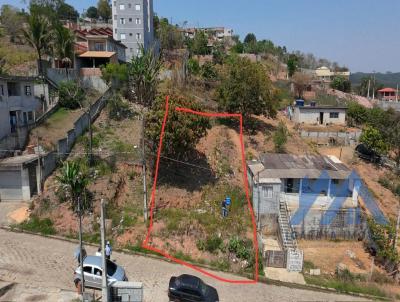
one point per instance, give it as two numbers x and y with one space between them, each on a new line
285 228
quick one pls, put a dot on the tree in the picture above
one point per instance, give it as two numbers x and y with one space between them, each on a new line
65 11
193 67
280 137
341 83
71 95
143 74
199 45
182 132
250 38
394 137
115 75
169 35
357 114
38 35
64 46
92 12
292 64
12 19
73 183
208 72
300 81
245 88
104 10
373 140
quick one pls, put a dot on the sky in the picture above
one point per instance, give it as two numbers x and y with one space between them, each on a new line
360 34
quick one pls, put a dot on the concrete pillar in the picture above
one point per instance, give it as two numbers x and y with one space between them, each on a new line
38 177
25 187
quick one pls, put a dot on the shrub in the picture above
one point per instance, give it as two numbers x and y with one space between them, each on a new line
212 244
118 109
70 94
280 137
37 225
240 248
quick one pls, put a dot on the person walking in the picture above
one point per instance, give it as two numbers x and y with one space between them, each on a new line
108 250
224 209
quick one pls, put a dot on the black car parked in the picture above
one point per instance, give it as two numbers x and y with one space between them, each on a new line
364 152
187 288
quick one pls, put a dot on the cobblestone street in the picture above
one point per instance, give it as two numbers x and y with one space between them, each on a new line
44 263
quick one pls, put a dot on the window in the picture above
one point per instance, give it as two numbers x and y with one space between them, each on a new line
130 19
122 7
122 21
191 292
1 89
115 30
138 36
115 17
98 272
28 90
334 115
130 34
138 21
115 3
137 6
99 46
129 5
30 116
122 36
267 191
87 269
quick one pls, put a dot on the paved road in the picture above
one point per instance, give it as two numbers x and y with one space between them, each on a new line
44 262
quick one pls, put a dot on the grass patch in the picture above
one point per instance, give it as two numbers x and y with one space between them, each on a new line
346 286
58 116
181 255
37 225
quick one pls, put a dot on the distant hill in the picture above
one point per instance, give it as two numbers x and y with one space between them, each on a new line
387 79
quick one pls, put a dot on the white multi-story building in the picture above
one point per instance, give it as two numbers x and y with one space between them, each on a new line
133 24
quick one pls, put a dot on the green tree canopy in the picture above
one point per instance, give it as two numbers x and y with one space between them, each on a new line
104 9
246 88
373 139
341 83
250 38
115 75
182 132
199 44
292 64
92 12
169 35
12 19
71 95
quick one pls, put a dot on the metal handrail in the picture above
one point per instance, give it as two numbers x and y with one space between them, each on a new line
289 219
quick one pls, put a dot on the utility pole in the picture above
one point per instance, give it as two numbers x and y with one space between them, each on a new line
369 87
81 248
144 171
373 90
104 284
397 93
39 166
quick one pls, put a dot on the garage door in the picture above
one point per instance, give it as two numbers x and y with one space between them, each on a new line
10 186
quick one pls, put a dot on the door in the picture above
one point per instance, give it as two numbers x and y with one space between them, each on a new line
88 273
321 118
190 295
97 277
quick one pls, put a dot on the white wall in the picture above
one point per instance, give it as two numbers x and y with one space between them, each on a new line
311 116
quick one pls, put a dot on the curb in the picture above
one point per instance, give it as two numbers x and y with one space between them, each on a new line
261 279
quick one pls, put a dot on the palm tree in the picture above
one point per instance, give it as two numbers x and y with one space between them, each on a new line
143 80
64 46
73 183
38 35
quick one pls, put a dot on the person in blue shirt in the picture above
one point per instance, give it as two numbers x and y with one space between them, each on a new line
108 250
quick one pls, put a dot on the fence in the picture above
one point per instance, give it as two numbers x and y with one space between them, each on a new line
332 138
386 105
65 144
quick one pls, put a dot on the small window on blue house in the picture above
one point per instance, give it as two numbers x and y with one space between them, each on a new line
267 191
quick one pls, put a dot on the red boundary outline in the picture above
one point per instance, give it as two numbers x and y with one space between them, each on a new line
153 195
